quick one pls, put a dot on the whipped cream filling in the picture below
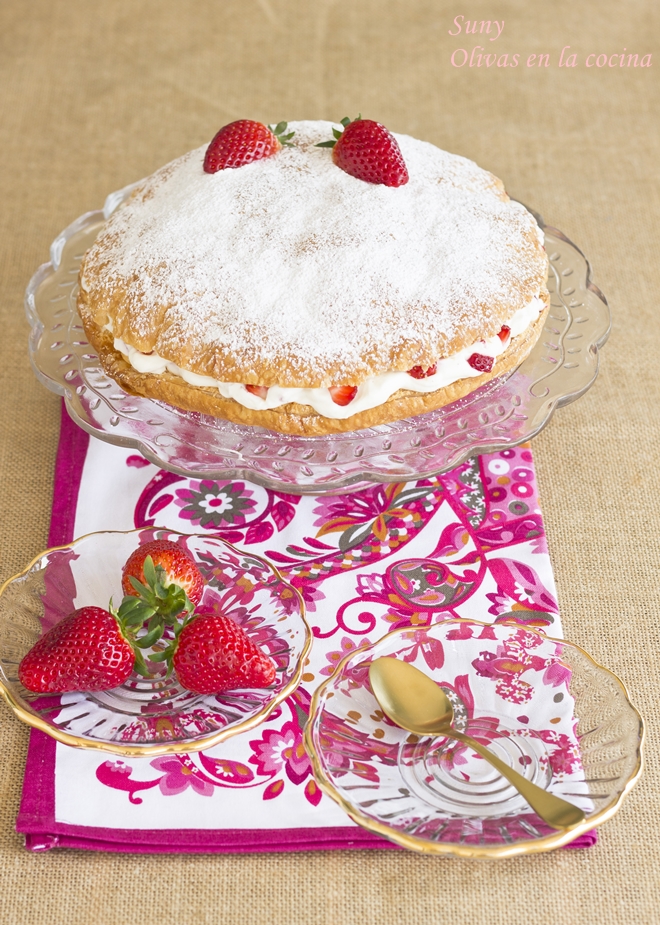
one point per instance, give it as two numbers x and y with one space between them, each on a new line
370 394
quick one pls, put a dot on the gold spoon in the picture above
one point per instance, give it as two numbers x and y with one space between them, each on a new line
415 702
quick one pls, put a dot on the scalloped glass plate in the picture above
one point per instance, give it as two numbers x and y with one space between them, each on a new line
149 716
542 704
505 412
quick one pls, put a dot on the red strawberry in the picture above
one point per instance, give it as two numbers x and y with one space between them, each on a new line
418 373
90 650
504 333
242 142
179 569
259 390
480 362
213 654
368 151
342 394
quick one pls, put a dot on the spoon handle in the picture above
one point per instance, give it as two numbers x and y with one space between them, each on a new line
558 813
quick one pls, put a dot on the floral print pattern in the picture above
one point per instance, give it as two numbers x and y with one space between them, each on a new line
468 543
510 661
214 504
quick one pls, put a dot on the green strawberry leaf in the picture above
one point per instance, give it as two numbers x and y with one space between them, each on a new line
130 604
149 571
142 590
136 620
158 657
278 130
335 131
140 665
156 620
147 641
133 612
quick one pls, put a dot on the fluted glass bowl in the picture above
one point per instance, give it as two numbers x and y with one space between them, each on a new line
542 704
153 716
505 412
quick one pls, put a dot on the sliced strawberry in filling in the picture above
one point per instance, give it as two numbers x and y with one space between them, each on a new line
342 394
505 333
418 373
481 363
260 390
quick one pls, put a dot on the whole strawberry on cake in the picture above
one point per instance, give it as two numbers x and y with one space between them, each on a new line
314 278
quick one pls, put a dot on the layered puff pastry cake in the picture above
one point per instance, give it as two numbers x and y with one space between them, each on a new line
291 294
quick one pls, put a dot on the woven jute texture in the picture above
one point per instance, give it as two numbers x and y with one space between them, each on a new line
96 95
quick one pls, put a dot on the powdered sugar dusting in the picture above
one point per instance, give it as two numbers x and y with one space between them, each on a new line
291 259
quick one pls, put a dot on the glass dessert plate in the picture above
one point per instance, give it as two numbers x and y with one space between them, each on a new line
149 716
505 412
541 704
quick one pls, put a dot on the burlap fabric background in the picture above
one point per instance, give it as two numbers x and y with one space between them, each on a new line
94 96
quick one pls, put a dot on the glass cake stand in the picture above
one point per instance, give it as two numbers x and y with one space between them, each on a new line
505 412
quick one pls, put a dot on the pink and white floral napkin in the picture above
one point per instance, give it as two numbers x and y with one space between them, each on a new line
469 543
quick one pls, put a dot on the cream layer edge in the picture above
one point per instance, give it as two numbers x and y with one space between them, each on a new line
370 394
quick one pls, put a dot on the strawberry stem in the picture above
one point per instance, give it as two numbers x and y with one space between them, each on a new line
167 654
157 597
140 666
345 122
157 605
279 130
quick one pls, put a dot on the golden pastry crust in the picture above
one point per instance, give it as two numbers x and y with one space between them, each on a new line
168 337
295 418
289 272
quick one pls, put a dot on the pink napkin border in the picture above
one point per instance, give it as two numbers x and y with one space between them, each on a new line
36 817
